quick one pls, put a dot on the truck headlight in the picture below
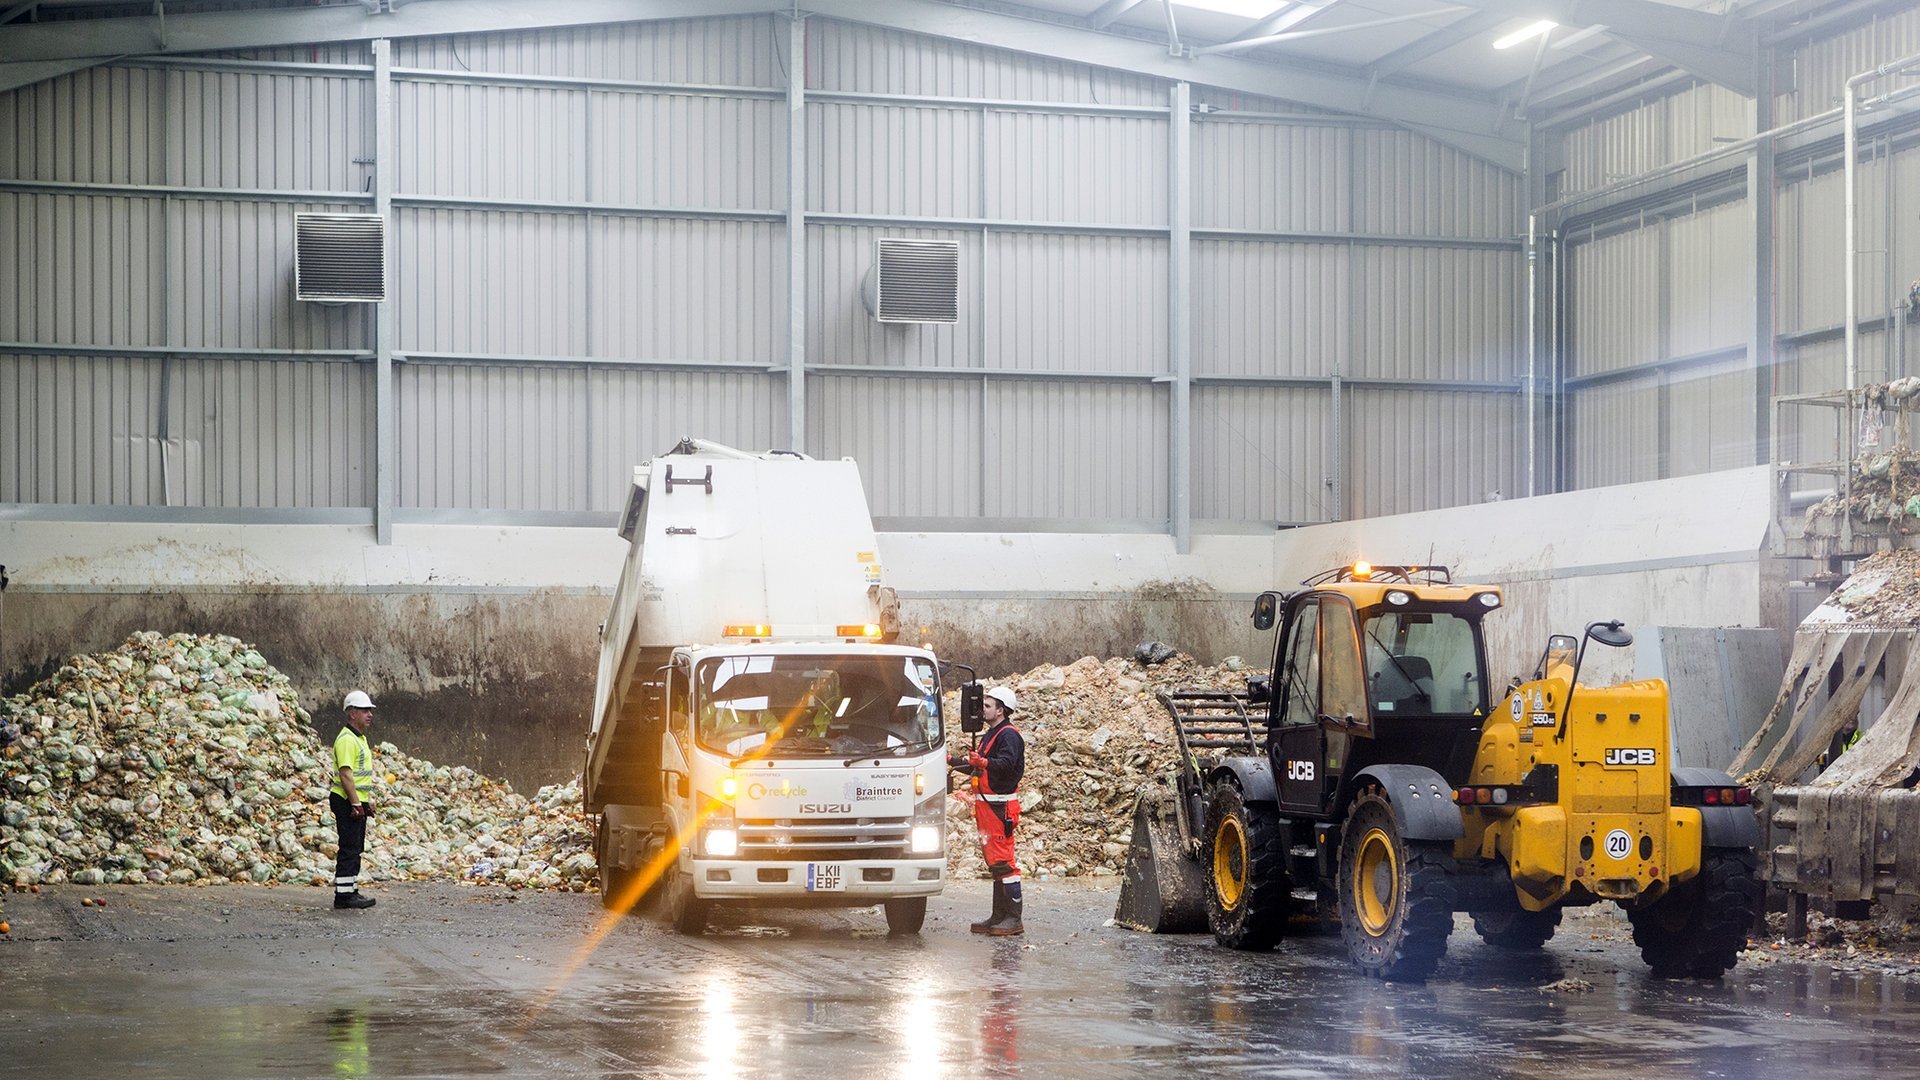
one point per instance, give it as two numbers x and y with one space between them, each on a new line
723 843
927 838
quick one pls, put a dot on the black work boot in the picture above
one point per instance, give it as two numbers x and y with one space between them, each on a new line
999 909
353 900
1008 924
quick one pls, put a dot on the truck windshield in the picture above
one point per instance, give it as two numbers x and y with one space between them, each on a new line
817 706
1421 663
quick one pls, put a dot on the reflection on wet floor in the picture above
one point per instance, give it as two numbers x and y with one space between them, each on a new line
828 994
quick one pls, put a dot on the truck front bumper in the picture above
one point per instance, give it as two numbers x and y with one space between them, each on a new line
864 881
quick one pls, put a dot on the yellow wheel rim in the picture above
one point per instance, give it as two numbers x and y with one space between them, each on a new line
1230 862
1376 882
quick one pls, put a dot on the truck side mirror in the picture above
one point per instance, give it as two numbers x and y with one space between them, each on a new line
973 719
1266 607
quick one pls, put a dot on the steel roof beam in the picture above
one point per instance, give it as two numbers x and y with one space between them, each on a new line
1717 48
1106 13
1287 18
276 27
1467 122
1435 43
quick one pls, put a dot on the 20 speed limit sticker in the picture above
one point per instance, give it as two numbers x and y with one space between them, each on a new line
1619 844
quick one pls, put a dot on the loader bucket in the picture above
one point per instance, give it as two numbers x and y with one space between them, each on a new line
1164 891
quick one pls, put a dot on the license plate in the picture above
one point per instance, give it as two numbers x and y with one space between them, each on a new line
826 877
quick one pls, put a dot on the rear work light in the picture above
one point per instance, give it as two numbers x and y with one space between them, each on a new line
1712 796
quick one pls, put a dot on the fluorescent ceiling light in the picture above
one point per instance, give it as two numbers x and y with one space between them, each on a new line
1530 31
1245 9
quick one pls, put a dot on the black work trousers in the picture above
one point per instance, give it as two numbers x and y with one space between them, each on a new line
352 831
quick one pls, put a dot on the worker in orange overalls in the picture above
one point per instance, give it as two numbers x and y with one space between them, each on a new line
997 766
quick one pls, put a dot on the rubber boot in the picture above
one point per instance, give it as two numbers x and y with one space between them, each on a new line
999 909
353 900
1008 924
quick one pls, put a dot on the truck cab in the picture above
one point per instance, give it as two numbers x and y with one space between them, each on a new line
807 771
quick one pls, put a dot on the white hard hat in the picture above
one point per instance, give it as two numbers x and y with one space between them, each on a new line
358 699
1004 696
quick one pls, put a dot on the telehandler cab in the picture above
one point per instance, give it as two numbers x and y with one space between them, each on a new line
1375 778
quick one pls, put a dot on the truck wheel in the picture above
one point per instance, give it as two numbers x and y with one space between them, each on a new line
1396 901
1699 927
1517 931
615 881
1247 887
904 916
687 912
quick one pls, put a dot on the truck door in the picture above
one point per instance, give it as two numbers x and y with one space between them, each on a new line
677 748
1297 766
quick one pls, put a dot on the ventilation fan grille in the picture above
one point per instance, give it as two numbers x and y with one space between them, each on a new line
916 281
340 258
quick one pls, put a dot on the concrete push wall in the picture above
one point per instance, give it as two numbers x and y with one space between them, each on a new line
481 642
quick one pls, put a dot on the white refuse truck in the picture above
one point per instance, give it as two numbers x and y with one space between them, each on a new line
754 739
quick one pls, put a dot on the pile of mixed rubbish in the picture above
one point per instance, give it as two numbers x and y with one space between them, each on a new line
187 759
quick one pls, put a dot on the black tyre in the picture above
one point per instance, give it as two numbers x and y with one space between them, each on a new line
1699 927
618 888
905 916
1396 900
1517 931
687 912
1247 887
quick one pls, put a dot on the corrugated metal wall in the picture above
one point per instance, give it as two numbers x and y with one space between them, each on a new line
1659 304
1657 325
1821 67
584 273
1656 132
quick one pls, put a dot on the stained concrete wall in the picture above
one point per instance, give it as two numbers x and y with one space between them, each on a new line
480 642
1721 682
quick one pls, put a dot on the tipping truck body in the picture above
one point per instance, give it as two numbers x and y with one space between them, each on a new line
1376 779
754 739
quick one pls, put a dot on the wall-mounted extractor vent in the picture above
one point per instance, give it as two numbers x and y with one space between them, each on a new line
914 281
340 258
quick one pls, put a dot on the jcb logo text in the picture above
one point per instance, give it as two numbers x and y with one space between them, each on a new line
1621 755
1299 770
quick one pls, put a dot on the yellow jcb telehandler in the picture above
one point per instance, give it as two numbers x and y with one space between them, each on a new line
1375 777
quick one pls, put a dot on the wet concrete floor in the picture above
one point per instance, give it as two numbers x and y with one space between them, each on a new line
440 980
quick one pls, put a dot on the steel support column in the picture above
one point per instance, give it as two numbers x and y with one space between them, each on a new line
1541 468
384 331
797 233
1179 313
1760 216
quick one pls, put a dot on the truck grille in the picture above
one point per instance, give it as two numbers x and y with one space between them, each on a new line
826 838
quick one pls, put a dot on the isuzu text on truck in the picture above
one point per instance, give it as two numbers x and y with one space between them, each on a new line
753 739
